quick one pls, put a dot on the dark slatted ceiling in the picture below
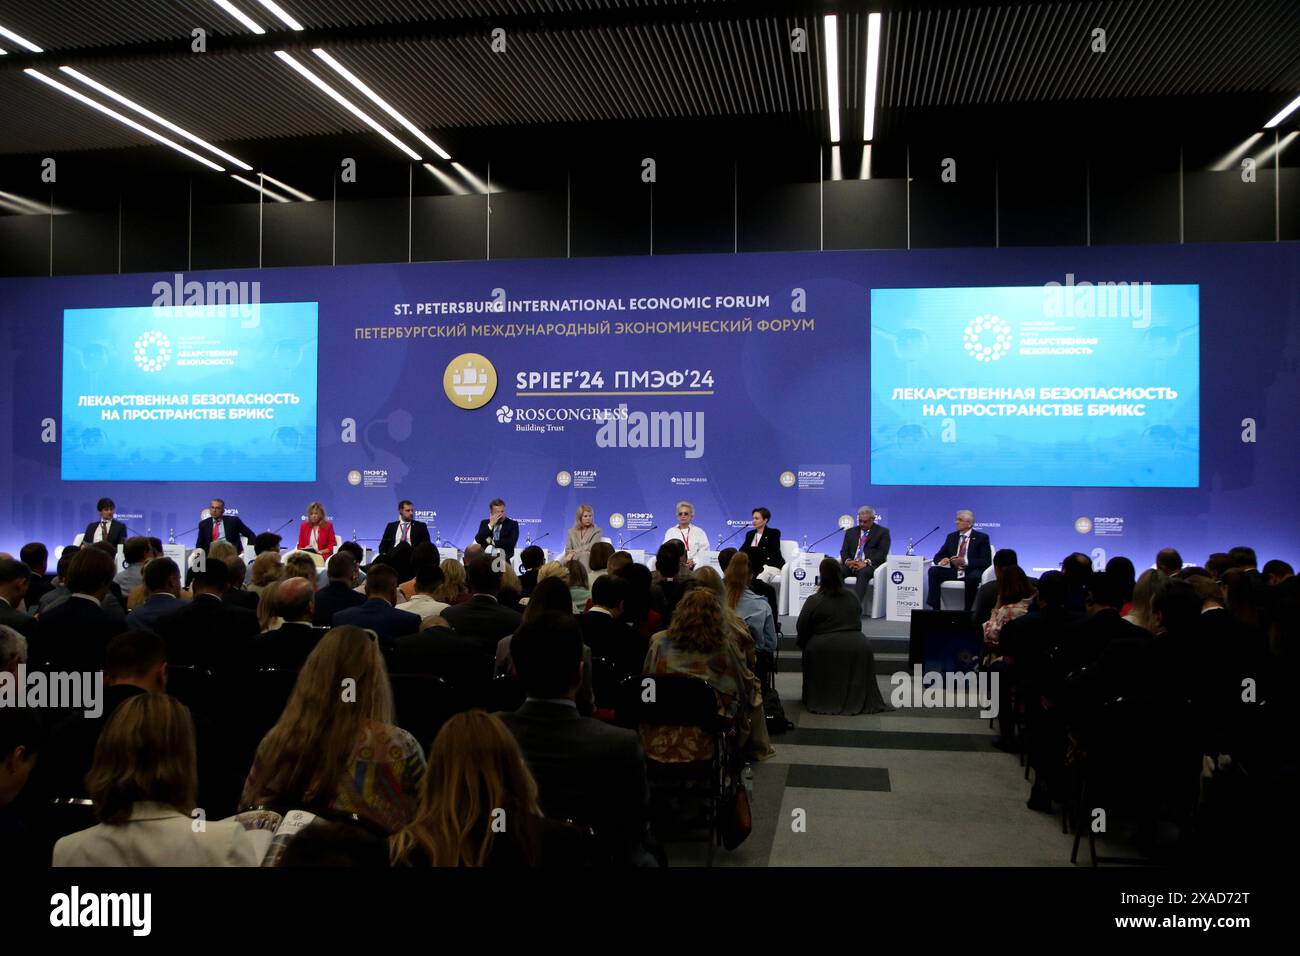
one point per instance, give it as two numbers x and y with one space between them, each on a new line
604 60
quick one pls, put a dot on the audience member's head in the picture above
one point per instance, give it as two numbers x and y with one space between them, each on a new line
156 546
1013 586
1005 558
267 567
138 658
423 553
601 552
1217 563
482 575
146 754
161 575
1275 571
1176 608
577 574
213 579
512 589
617 561
36 556
14 577
1242 557
476 779
552 569
710 580
453 582
300 564
64 565
637 600
1077 567
238 570
13 650
547 655
1168 561
136 549
334 844
668 560
1124 575
21 738
1105 591
551 595
91 572
1052 591
609 591
295 600
532 557
428 577
342 567
1149 583
268 542
724 558
220 550
698 622
738 578
351 547
303 756
381 582
830 578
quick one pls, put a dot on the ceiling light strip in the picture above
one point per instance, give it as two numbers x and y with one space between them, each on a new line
375 98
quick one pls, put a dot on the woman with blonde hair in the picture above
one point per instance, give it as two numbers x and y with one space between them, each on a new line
583 534
267 568
1148 585
453 589
753 609
336 747
478 802
143 782
300 564
316 533
552 569
579 587
221 549
268 612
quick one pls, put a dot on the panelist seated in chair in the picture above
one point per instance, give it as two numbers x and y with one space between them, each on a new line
763 545
317 533
964 557
865 548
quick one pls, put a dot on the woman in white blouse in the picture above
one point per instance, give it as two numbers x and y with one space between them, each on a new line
692 538
143 783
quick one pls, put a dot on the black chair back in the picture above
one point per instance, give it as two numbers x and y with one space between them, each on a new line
504 693
606 678
423 703
193 686
679 700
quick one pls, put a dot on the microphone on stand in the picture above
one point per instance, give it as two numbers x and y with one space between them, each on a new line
838 530
279 529
723 541
911 545
653 527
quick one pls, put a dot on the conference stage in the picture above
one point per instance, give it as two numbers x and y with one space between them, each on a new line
1109 400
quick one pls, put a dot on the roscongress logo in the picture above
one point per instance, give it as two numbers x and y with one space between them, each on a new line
505 414
987 338
469 380
1083 525
153 350
787 479
564 479
354 477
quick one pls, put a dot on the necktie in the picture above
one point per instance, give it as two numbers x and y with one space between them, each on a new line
103 534
862 543
406 531
961 548
216 529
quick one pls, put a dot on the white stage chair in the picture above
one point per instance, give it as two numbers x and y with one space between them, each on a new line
952 594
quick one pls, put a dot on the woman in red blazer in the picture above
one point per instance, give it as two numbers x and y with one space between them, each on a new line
318 528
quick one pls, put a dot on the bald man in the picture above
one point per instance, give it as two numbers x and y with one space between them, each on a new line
288 646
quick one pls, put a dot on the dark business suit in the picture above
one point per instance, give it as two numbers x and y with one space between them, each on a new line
439 651
210 633
614 641
506 542
586 771
287 647
20 621
232 529
334 597
376 614
154 609
74 634
979 555
484 619
237 596
875 549
419 533
116 533
768 552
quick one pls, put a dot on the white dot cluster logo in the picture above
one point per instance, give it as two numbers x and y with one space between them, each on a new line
988 338
505 414
153 350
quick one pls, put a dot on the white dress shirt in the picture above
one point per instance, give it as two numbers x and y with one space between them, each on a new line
423 605
694 538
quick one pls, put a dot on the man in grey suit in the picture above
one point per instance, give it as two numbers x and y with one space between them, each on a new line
865 548
587 771
162 578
